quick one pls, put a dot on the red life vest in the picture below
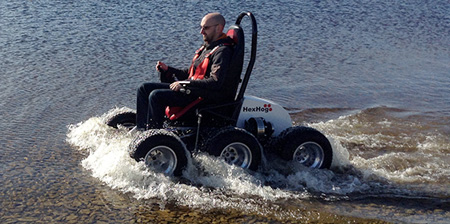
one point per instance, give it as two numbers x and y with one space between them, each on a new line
200 71
174 113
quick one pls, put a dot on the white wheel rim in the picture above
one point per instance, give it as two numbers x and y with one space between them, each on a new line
161 159
309 154
238 154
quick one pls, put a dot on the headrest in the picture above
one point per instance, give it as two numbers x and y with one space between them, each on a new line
233 33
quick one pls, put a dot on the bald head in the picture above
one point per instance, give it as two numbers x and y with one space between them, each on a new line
215 17
212 26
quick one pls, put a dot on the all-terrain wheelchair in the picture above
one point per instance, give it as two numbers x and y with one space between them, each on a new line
240 131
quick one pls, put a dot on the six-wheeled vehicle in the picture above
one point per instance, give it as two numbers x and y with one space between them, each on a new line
241 132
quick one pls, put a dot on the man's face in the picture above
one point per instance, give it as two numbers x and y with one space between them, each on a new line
208 30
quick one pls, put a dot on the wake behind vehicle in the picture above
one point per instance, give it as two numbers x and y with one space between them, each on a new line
240 132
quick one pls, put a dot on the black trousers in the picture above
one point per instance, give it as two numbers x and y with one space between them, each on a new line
152 100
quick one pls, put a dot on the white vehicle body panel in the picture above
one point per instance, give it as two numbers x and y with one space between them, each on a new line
269 110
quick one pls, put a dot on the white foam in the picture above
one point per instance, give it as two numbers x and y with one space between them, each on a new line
211 183
391 150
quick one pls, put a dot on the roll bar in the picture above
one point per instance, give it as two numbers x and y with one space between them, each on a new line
253 52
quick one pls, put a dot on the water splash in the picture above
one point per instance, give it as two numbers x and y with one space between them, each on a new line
210 183
391 145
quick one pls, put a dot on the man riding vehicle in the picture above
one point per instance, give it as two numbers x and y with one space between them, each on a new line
208 77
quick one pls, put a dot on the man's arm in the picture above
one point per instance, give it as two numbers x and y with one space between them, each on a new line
170 74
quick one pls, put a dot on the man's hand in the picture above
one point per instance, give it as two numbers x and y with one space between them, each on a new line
175 86
161 66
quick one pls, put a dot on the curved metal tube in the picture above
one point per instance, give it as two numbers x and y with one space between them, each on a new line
253 51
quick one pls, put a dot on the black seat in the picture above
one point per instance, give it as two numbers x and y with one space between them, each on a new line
236 33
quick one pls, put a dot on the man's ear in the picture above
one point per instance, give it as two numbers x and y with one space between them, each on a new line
220 28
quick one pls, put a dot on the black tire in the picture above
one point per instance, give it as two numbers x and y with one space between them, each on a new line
236 146
161 150
307 146
126 119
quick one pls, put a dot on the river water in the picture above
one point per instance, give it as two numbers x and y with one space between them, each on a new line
374 76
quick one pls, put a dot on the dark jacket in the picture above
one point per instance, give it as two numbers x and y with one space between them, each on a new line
218 85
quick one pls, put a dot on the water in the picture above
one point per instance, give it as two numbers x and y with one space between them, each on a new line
373 76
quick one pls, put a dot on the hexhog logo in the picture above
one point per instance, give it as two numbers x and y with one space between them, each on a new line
265 109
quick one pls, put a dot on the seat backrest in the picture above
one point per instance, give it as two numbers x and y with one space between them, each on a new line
236 33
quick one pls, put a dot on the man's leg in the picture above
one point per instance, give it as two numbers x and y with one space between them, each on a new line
161 98
142 105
